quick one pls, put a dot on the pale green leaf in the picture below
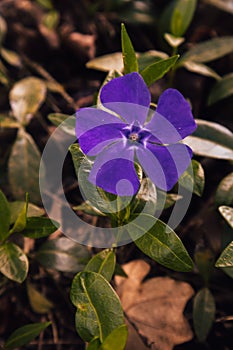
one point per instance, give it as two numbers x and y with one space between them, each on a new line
227 213
226 258
106 63
63 254
17 207
224 193
11 57
39 303
193 179
115 340
172 40
13 262
21 219
7 122
183 11
128 53
222 89
203 313
25 334
23 168
211 140
99 309
200 68
26 97
64 122
209 50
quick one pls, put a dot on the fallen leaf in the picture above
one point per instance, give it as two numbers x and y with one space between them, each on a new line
155 307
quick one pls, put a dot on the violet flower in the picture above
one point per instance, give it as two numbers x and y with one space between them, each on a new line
120 134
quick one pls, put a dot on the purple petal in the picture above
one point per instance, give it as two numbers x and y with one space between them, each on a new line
127 96
89 118
173 119
114 171
164 164
93 141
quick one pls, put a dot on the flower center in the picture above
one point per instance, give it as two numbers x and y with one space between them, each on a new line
133 136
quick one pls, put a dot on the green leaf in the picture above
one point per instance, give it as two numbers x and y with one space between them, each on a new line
39 303
48 4
200 68
224 193
106 63
146 196
204 260
25 334
4 216
99 309
63 254
227 213
157 70
11 57
226 258
182 16
203 313
209 50
23 167
128 53
26 97
115 340
193 179
94 344
51 19
13 262
222 89
149 57
104 263
159 242
17 207
211 140
87 208
21 220
64 121
37 227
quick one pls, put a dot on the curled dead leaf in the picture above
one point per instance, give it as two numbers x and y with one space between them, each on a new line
155 307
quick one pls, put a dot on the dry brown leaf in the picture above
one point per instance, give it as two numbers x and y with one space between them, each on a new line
155 306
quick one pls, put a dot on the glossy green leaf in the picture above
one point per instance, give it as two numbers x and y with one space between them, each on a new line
106 63
225 5
226 258
64 121
193 179
158 69
104 263
211 140
182 16
17 207
224 193
222 89
25 334
99 309
23 168
63 254
11 57
203 313
200 68
128 53
4 216
26 97
115 340
159 242
39 303
21 220
228 270
13 262
209 50
227 213
119 271
51 19
37 227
